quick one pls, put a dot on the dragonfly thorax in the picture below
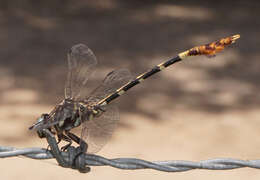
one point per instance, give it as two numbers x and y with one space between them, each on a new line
71 114
67 115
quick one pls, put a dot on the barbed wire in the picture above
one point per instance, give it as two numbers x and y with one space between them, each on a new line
132 163
72 159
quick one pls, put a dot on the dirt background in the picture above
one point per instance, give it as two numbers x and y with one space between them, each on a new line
198 109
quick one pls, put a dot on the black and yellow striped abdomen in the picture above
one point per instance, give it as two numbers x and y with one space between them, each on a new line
209 49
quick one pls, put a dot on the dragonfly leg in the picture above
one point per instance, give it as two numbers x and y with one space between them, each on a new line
83 144
65 138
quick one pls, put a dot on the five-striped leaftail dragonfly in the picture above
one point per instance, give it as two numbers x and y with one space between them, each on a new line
94 112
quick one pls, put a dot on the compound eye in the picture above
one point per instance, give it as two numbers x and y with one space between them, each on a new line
44 118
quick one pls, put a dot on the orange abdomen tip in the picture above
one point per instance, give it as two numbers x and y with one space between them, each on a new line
212 48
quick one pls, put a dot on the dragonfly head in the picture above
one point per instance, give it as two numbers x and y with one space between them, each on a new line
41 123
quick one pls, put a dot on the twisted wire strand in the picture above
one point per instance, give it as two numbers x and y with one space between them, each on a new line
132 163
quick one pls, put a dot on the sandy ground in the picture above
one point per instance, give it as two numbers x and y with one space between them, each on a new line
199 109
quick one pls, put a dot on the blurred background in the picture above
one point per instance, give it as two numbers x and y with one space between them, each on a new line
195 110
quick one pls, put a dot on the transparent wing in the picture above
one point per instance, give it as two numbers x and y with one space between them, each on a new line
97 131
114 80
81 63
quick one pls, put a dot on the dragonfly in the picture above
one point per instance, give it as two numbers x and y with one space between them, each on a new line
94 113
